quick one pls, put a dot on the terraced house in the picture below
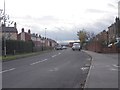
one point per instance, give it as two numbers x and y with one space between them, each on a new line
10 33
107 40
39 42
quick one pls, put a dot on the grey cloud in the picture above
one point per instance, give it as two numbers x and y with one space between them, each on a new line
101 24
95 11
63 35
59 34
112 6
38 19
48 18
71 34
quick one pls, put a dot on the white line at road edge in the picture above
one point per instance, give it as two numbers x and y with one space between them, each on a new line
7 70
39 62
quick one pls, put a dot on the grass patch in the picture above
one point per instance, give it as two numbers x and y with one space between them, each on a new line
17 56
8 58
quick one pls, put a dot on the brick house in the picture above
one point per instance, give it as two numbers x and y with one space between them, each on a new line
36 39
106 41
24 36
51 43
10 33
27 36
40 43
114 31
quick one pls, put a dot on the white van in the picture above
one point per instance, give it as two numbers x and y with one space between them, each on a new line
76 46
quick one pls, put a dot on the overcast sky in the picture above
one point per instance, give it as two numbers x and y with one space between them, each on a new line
62 18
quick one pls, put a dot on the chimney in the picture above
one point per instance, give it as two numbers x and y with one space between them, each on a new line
22 29
15 25
39 36
29 31
36 35
116 19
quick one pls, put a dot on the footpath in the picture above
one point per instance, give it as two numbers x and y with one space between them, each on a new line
103 72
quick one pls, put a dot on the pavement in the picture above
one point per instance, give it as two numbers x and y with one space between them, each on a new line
103 72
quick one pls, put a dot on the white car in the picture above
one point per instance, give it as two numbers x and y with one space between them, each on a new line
58 47
64 47
76 46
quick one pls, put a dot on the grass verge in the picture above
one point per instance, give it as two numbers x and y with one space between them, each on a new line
18 56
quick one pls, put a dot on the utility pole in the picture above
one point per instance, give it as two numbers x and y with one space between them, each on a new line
4 31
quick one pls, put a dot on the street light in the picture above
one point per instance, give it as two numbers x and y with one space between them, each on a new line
4 19
45 37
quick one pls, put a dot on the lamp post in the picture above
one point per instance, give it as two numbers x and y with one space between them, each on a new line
42 43
4 19
45 37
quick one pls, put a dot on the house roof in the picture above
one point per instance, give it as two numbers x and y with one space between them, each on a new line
9 29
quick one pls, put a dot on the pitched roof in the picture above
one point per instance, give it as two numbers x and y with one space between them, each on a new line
9 29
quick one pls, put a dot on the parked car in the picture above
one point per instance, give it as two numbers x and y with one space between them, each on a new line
64 47
58 47
76 46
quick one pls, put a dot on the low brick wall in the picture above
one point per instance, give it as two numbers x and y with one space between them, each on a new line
109 50
97 47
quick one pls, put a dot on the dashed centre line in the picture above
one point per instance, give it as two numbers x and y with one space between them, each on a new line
54 56
7 70
43 60
116 66
38 62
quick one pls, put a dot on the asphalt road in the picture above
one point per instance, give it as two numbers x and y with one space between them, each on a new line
56 69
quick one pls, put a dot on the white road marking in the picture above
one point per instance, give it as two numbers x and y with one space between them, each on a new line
54 56
116 66
38 62
8 70
59 53
54 69
45 59
112 69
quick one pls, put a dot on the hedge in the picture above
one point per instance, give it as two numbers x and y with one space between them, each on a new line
15 46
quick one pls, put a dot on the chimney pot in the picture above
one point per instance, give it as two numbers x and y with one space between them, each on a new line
22 29
29 31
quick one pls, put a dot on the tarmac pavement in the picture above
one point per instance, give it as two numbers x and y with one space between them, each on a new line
103 72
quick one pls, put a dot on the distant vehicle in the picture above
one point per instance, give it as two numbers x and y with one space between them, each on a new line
76 46
64 47
58 47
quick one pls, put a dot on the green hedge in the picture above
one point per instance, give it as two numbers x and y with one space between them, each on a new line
15 46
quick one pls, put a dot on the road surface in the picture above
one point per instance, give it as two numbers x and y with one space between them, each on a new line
56 69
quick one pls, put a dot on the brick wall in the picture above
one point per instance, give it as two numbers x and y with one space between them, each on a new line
97 47
94 46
